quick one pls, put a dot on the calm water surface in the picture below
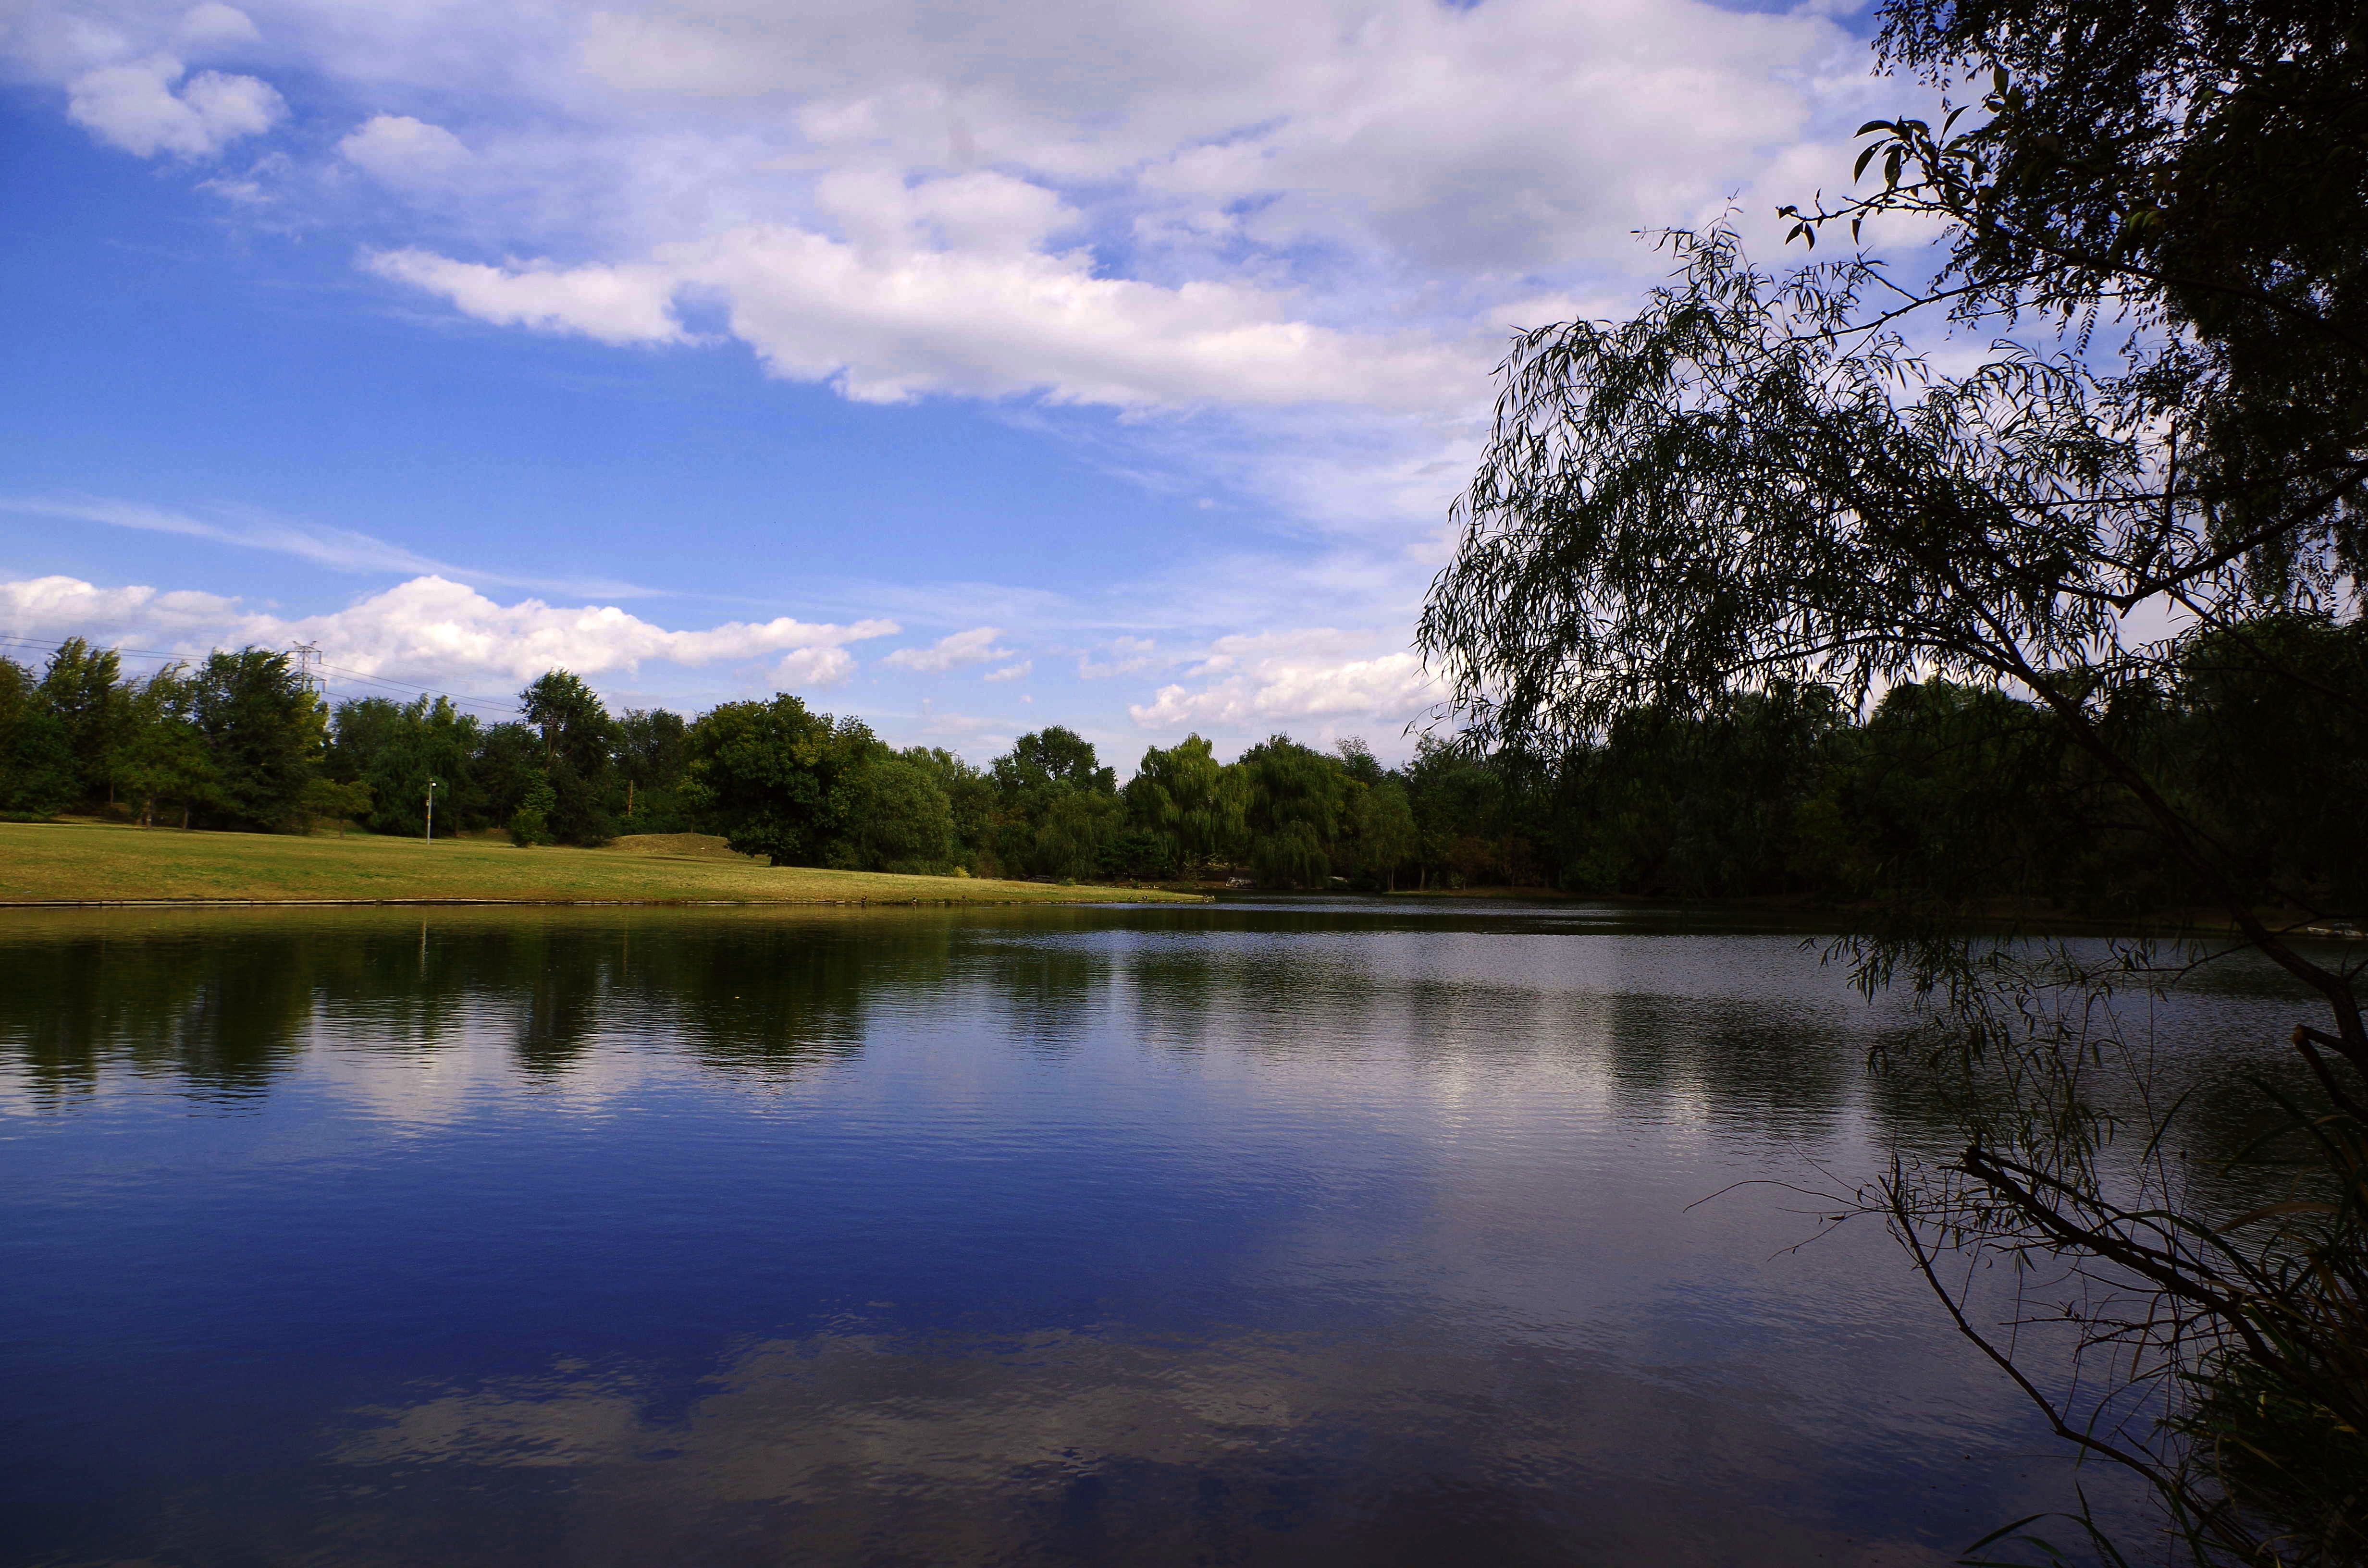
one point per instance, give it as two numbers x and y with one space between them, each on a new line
1293 1234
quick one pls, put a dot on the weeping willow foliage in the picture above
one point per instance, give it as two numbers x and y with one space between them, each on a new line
1755 485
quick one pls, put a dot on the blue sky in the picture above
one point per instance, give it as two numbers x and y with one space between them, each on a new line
968 367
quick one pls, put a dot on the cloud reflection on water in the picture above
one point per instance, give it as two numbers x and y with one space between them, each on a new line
850 1446
1304 1234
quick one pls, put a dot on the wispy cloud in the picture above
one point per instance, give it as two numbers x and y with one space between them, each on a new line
340 549
975 646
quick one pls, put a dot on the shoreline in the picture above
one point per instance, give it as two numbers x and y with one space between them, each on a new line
104 866
589 903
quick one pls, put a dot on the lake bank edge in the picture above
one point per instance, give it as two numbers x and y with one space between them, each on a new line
56 865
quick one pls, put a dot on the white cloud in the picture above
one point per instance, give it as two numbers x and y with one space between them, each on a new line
1128 655
1248 204
341 550
1284 238
1245 203
214 25
888 322
1263 680
430 627
975 646
1011 672
1496 132
403 152
69 606
615 304
806 669
136 106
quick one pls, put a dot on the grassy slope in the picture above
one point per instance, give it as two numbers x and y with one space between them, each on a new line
47 863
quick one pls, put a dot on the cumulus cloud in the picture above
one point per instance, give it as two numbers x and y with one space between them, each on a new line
614 305
975 646
69 606
1285 239
1011 672
809 667
1275 679
430 627
1177 203
403 152
887 324
136 106
214 25
1494 133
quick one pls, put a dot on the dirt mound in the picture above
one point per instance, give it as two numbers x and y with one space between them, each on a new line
690 846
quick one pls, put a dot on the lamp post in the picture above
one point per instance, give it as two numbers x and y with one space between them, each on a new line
431 811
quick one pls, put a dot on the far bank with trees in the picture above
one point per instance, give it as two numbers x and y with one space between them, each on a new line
1948 794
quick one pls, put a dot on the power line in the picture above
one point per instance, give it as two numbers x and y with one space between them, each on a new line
424 690
47 643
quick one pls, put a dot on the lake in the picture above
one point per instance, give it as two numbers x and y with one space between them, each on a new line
1284 1232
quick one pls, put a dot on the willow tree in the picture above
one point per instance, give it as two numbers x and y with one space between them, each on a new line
2157 213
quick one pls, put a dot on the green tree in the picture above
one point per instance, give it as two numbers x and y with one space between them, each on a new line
1457 797
578 755
971 796
394 749
1959 797
898 819
265 734
362 731
530 825
1755 480
2200 169
1057 807
1385 833
652 751
1052 758
162 754
1201 807
1075 832
347 802
1357 760
2274 766
1703 804
82 689
1297 797
506 766
777 779
37 764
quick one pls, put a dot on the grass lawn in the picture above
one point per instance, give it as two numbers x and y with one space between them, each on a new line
78 863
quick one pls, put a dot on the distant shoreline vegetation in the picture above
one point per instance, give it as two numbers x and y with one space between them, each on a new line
1941 794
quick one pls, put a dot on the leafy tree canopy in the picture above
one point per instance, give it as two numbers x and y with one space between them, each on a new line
264 731
777 779
1756 485
1053 758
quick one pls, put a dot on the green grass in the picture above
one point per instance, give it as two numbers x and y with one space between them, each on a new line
75 863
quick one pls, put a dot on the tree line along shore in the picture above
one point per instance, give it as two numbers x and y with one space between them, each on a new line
1936 791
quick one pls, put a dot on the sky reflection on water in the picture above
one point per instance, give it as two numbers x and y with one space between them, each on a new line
1297 1234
